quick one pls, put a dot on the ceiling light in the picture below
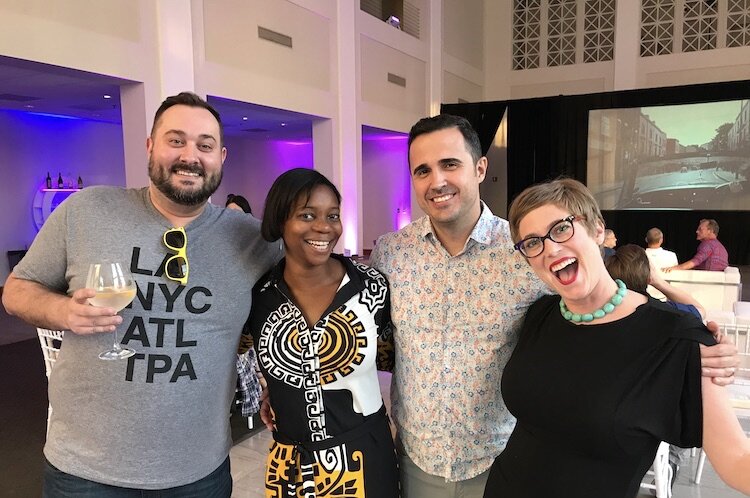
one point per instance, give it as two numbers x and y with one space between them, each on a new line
107 96
283 124
244 118
29 106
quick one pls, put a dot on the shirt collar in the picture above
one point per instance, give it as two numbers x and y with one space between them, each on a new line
482 231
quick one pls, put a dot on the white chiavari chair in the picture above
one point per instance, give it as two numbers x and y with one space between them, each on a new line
50 341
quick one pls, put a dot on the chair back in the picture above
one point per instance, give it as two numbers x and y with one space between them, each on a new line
661 472
50 341
740 334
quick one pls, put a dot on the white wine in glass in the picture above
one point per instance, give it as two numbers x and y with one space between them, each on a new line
115 288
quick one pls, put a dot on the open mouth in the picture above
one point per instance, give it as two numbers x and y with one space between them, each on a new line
442 198
319 245
186 171
565 270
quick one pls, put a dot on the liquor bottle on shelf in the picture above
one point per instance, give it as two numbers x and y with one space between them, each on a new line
48 181
59 180
80 182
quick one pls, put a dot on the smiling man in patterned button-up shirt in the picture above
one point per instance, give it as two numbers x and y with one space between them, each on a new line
458 294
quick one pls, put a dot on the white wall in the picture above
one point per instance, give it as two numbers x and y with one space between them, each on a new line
232 62
463 51
627 71
455 87
253 165
34 145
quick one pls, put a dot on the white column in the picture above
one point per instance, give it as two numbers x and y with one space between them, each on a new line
346 131
435 63
168 27
175 46
135 129
627 45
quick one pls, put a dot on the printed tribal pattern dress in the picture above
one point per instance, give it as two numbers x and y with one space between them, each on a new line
333 437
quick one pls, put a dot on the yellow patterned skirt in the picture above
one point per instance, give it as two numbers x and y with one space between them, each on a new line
359 464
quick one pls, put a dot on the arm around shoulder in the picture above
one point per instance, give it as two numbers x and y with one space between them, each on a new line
723 439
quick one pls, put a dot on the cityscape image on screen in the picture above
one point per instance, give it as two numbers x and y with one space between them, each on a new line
690 156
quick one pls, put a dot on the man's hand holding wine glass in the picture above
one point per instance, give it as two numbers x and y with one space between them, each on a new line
83 318
114 289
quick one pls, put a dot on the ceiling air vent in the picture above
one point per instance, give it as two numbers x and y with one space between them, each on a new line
273 36
397 80
254 130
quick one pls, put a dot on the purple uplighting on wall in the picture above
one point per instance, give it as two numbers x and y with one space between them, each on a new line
292 154
386 185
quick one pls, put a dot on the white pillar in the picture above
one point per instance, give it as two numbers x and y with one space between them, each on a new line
627 45
175 46
135 128
346 131
168 27
435 63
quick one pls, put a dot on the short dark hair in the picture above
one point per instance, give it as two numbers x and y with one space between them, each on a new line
191 100
444 121
240 201
711 225
631 265
285 193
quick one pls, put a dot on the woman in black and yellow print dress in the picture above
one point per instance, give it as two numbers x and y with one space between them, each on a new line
320 324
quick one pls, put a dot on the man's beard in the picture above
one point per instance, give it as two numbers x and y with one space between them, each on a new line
160 178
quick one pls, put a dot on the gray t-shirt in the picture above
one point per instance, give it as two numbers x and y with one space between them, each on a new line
160 418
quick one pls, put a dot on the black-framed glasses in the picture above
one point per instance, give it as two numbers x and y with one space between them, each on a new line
176 267
561 231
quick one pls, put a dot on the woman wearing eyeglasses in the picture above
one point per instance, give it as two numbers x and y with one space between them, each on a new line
320 325
600 374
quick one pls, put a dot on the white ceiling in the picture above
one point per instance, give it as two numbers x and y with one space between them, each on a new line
42 88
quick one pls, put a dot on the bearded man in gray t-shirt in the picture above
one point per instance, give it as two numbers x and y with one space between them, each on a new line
160 419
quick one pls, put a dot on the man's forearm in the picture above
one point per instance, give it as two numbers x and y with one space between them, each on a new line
687 265
34 303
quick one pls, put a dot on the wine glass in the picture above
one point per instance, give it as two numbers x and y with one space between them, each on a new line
115 288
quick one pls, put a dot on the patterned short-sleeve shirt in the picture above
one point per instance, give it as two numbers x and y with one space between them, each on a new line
456 320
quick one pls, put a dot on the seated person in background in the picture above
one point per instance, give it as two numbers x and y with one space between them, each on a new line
711 254
631 265
238 203
660 257
610 241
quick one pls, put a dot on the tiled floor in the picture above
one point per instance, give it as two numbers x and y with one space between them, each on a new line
249 457
248 463
710 487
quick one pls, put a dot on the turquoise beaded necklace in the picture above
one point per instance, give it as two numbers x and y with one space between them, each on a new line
608 307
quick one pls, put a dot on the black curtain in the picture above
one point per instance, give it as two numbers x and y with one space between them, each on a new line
485 117
548 137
